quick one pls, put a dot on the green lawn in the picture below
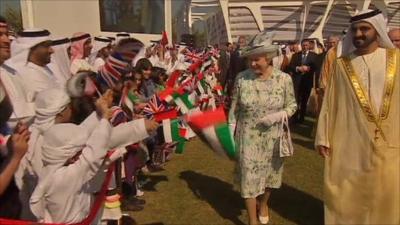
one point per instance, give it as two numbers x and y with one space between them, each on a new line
198 188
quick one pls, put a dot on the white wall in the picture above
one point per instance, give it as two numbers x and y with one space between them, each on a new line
65 17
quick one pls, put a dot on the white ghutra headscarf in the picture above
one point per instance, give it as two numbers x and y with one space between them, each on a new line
22 45
98 44
60 61
49 103
376 19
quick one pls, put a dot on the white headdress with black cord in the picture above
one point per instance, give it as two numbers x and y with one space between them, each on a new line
121 36
60 61
22 45
376 19
98 44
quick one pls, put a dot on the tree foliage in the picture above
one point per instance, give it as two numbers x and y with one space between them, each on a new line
14 18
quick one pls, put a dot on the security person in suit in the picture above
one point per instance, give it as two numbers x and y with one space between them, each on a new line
224 63
302 67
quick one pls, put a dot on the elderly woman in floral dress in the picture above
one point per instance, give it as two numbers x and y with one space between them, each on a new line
262 96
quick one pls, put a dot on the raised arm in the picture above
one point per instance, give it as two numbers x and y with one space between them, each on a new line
18 144
128 133
96 147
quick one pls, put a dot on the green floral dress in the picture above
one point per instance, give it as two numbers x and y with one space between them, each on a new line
259 163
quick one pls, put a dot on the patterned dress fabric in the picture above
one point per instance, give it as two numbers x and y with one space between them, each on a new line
259 163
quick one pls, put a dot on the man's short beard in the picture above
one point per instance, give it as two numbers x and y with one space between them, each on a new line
366 43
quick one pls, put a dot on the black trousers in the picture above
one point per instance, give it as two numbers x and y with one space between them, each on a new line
305 90
302 88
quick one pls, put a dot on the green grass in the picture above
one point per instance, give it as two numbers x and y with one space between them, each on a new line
198 188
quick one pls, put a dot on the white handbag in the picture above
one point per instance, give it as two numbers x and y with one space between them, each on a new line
285 141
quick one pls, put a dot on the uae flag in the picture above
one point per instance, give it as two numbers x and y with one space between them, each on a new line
170 114
206 64
213 129
167 95
197 65
201 87
219 90
206 103
173 78
173 132
179 97
183 102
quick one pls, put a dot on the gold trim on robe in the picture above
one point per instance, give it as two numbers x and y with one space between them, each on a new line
371 113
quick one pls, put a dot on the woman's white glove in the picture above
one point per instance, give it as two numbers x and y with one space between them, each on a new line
272 118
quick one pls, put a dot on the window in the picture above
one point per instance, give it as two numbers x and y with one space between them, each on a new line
180 17
133 16
11 10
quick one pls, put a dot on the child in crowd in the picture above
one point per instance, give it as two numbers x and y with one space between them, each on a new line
72 156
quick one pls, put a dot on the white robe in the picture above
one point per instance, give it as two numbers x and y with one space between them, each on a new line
370 68
61 78
60 63
37 78
13 83
74 202
361 178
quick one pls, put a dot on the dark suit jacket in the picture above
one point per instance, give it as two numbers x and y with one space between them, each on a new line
311 61
223 63
238 64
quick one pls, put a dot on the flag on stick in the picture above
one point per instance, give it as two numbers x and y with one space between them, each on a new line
164 39
213 129
172 133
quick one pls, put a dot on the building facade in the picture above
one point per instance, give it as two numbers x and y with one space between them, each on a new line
290 19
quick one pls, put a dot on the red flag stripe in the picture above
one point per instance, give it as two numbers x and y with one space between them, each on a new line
165 93
106 77
172 114
207 119
172 79
117 63
113 72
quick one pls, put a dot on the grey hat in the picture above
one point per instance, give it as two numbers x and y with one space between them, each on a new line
261 43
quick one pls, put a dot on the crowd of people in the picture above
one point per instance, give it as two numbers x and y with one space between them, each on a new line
71 107
82 117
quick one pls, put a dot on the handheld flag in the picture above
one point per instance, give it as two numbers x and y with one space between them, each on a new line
213 129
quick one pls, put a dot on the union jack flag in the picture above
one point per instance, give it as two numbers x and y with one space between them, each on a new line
118 116
191 56
154 106
214 52
112 71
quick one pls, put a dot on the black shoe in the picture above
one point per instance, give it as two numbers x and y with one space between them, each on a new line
128 206
136 201
127 189
155 168
127 220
